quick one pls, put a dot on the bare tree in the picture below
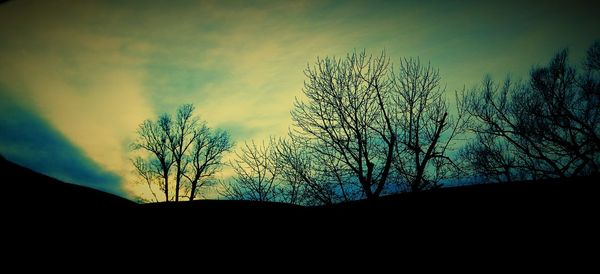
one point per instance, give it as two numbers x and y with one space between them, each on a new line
147 173
551 123
152 139
344 117
425 129
499 113
174 150
310 178
490 157
206 157
590 79
592 61
296 171
256 174
181 134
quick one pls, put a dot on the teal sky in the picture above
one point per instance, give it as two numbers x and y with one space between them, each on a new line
91 71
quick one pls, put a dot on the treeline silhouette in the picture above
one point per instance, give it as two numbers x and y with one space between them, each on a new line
366 127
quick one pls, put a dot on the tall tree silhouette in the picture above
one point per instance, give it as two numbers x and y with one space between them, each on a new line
366 121
551 124
344 116
181 134
424 127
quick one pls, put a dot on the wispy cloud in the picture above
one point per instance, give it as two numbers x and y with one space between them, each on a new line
95 69
29 140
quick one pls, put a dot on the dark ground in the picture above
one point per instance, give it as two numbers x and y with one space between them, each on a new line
29 190
542 210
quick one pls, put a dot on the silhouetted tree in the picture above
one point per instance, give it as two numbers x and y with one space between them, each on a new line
550 124
255 174
186 145
296 171
180 133
360 122
147 173
490 157
206 156
344 117
425 129
592 62
311 178
152 139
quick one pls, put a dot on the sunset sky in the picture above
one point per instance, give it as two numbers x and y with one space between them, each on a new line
77 77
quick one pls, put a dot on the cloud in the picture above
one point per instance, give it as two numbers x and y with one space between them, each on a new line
84 81
29 140
94 70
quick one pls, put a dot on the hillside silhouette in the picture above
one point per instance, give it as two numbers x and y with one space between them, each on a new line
525 202
30 190
572 200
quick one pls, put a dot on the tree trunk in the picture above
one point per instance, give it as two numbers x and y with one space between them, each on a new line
387 167
507 174
193 191
417 183
367 189
177 182
166 177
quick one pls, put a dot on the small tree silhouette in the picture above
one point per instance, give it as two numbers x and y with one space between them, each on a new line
256 174
174 150
311 177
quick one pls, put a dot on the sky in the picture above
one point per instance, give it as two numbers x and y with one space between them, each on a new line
78 77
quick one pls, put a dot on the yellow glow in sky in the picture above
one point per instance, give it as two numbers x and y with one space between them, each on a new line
94 70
